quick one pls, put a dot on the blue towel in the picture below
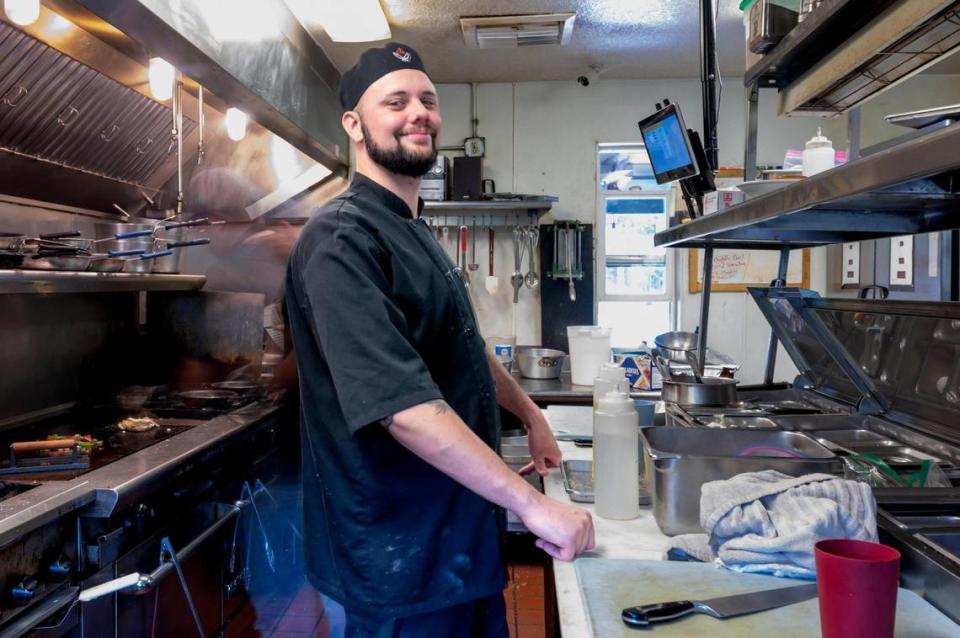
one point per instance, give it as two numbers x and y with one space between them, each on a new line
768 522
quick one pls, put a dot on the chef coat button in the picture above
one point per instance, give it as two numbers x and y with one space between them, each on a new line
469 331
485 393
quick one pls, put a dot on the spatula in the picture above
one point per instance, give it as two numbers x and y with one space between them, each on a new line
493 282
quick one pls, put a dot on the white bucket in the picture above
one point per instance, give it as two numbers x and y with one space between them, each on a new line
589 349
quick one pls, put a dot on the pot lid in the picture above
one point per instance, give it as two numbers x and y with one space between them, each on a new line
898 358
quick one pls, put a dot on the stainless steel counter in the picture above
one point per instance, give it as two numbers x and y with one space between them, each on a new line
102 491
562 390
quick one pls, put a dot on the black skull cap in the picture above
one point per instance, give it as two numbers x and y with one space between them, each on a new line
373 65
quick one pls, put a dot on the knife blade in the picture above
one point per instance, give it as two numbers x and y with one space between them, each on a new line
724 607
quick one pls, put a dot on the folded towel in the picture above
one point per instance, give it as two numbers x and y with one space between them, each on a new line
768 522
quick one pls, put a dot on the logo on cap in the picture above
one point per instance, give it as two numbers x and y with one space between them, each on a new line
402 54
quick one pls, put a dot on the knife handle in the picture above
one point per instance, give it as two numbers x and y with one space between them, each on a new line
645 615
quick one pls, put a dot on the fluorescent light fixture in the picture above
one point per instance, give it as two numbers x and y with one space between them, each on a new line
22 12
241 20
162 75
236 121
57 24
284 159
344 21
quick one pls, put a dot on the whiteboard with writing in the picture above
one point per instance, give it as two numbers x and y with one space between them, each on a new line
736 270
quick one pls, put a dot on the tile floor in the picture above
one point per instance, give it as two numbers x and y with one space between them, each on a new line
305 613
526 604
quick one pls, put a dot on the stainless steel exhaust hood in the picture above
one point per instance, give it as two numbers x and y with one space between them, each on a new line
57 110
78 126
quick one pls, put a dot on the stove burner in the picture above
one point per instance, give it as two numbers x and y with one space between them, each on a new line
9 489
165 404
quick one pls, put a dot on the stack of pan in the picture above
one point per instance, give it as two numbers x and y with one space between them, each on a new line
136 248
681 347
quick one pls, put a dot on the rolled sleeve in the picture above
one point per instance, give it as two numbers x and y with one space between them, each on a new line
361 331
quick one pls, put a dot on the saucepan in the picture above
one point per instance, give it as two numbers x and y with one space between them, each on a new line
684 390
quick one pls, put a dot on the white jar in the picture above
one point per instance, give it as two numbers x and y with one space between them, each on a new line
589 349
616 485
818 156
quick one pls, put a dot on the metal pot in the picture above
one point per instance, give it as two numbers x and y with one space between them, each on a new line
539 363
11 242
713 391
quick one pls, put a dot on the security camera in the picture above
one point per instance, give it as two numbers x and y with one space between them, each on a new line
583 80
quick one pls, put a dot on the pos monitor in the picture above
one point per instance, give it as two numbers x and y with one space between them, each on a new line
668 145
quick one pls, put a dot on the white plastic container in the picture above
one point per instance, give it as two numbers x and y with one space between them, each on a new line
589 349
818 156
616 458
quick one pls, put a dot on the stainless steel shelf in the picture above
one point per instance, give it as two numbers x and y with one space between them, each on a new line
486 207
52 281
833 22
908 189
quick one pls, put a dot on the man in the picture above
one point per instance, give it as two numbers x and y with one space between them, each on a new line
399 394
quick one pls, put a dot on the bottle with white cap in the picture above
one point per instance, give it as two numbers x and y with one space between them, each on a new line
616 485
611 377
818 156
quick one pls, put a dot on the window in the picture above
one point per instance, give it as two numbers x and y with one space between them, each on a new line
635 289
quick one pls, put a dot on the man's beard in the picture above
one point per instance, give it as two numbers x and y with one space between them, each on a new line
399 160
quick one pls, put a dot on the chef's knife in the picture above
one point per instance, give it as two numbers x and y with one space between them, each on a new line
725 607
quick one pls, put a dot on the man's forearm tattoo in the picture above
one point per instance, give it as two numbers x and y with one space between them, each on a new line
441 406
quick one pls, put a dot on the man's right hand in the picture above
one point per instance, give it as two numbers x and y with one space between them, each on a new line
563 531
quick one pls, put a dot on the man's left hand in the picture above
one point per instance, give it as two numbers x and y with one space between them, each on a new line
543 447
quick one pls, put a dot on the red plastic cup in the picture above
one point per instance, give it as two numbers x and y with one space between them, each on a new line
857 585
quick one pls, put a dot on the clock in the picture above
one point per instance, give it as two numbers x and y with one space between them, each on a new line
474 146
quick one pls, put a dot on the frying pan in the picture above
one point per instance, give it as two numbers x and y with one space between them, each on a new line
215 399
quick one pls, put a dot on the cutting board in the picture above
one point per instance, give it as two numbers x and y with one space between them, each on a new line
570 422
610 585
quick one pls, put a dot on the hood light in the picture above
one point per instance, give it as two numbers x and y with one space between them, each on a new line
22 12
162 75
236 121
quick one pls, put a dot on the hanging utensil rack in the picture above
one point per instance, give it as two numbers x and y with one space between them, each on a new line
567 240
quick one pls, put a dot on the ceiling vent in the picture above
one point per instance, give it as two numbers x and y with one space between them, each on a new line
507 32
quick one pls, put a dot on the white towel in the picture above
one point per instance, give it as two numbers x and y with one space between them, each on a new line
768 522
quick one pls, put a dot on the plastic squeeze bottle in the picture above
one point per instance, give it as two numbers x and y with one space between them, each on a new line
610 378
616 484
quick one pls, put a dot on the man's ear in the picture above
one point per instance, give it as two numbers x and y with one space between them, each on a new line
351 124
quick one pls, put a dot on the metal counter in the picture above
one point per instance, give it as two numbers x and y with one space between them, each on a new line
544 391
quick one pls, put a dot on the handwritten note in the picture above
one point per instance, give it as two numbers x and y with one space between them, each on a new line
734 270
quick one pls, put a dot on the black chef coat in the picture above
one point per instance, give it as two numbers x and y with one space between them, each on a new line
380 323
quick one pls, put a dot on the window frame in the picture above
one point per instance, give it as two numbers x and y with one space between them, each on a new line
600 264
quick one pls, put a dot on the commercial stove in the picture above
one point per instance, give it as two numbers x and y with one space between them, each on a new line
168 504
